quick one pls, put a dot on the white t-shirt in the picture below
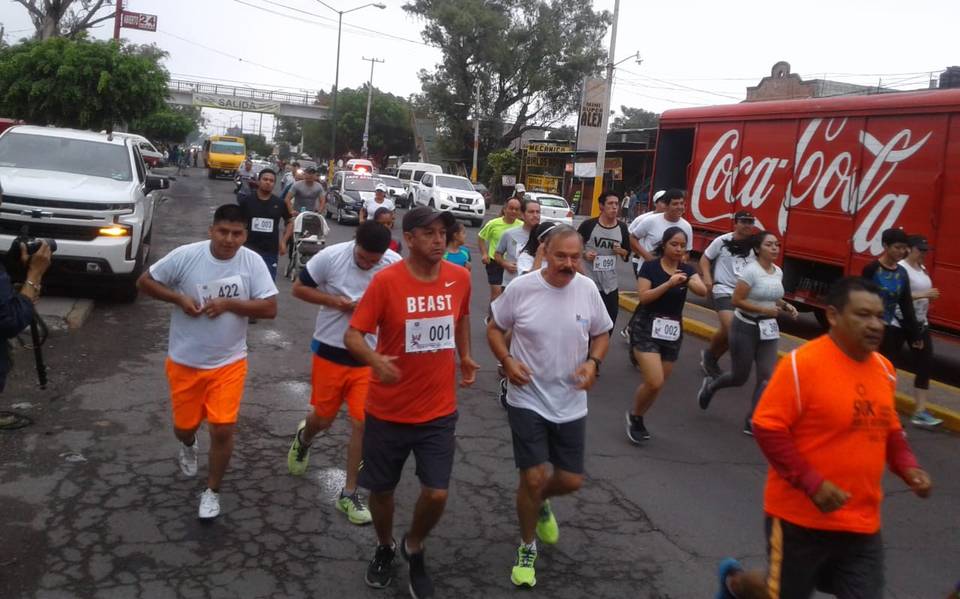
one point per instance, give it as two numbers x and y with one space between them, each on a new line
202 342
511 245
649 231
636 258
371 206
335 271
551 328
727 267
919 281
765 288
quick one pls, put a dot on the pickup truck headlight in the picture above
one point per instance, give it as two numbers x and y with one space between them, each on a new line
114 231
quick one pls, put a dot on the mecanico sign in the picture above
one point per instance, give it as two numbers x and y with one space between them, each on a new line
235 103
590 130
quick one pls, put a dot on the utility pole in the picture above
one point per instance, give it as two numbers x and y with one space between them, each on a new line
476 130
602 150
366 124
117 18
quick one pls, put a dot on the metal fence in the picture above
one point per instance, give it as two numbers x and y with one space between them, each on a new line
285 97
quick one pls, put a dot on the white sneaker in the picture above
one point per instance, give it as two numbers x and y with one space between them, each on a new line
188 458
209 505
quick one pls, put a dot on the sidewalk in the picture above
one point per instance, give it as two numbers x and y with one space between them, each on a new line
944 399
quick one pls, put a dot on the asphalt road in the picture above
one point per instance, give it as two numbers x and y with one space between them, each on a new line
94 505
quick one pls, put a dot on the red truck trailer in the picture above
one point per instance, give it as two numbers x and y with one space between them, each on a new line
828 175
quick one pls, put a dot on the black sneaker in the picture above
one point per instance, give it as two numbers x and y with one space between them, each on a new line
748 427
706 393
636 432
380 570
421 587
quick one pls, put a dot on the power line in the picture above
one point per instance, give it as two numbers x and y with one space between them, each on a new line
682 86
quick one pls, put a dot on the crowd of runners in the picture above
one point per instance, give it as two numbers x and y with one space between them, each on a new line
392 338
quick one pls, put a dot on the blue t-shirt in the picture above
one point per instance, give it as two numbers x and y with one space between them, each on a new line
894 287
461 257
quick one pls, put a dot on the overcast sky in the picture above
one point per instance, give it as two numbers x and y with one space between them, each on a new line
695 52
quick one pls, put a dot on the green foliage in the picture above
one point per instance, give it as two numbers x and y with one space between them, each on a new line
564 133
391 131
635 118
79 83
257 144
165 126
500 163
528 55
288 130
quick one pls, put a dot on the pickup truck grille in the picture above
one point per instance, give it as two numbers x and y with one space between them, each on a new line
67 204
40 229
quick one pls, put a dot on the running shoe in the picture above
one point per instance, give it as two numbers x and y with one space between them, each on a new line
636 432
709 365
502 395
625 335
524 574
421 586
727 567
188 457
706 393
380 570
748 427
209 505
548 530
925 419
356 512
299 455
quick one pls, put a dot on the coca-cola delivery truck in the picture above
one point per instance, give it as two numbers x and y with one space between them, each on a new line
827 175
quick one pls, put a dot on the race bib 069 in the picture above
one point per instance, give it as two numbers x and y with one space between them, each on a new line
261 225
429 334
604 263
666 329
228 288
769 329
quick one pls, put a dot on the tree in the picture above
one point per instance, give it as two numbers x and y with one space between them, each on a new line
79 83
289 130
391 131
500 163
165 126
635 118
528 55
66 18
563 133
257 144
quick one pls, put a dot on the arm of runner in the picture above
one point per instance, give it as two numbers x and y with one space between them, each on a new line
265 308
484 252
468 366
695 284
910 323
321 203
288 200
648 294
635 245
383 367
586 373
157 290
303 290
516 371
705 271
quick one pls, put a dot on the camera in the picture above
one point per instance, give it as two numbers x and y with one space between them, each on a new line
33 244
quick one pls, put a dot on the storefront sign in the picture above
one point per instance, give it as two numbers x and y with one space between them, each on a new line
138 20
544 183
590 132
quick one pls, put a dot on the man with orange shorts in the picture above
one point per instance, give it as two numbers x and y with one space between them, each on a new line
335 279
217 285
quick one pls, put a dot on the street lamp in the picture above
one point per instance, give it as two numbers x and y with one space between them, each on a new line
336 79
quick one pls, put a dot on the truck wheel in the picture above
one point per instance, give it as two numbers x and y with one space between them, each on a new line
124 290
476 223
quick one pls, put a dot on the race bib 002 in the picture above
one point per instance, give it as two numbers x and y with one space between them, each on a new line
666 329
261 225
429 334
769 329
228 288
604 263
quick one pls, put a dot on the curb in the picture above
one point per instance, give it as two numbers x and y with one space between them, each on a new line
905 403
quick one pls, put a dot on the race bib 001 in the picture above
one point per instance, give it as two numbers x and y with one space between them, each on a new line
261 225
227 288
604 263
666 329
769 329
429 334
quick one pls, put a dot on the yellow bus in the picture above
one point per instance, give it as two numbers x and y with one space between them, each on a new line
223 155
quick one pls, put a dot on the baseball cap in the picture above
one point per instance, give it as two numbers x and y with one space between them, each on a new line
311 169
423 216
520 188
918 241
743 215
658 195
381 187
892 236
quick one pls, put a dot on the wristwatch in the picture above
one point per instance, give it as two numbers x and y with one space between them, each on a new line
596 362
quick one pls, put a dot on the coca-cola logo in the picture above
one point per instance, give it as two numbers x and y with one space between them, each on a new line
819 177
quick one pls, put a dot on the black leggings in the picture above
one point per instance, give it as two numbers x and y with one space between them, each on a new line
921 360
611 302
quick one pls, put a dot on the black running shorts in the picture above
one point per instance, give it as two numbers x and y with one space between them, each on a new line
386 446
641 338
494 273
537 441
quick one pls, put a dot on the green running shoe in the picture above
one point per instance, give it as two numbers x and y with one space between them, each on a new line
299 456
356 512
548 530
523 574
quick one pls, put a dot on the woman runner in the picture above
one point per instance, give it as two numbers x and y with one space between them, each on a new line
657 330
754 334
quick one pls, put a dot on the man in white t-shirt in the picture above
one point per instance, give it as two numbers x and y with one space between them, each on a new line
552 360
658 208
649 231
378 201
514 240
217 286
335 279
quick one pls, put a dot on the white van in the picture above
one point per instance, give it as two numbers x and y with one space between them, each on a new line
412 172
360 164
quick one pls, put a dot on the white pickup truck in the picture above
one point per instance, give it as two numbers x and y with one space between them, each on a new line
91 193
449 193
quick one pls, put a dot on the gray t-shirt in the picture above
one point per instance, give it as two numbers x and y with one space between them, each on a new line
603 240
726 266
765 288
305 196
511 244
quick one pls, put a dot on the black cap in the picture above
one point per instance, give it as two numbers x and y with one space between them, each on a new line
423 216
892 236
311 169
918 241
743 214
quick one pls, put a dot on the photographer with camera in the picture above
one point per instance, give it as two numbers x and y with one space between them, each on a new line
16 301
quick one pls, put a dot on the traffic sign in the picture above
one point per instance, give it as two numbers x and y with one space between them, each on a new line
138 20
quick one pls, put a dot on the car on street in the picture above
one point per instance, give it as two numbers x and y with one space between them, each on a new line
553 208
360 165
450 193
411 172
90 192
485 192
348 191
151 155
395 190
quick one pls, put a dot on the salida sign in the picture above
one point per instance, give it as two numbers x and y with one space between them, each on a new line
836 166
236 103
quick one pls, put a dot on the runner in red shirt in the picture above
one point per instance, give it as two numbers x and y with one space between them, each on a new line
419 309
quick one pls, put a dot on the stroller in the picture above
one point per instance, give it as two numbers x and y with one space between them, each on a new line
309 237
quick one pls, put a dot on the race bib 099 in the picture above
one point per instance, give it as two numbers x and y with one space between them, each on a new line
604 263
429 334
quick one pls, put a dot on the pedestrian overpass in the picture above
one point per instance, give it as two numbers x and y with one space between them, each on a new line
247 99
